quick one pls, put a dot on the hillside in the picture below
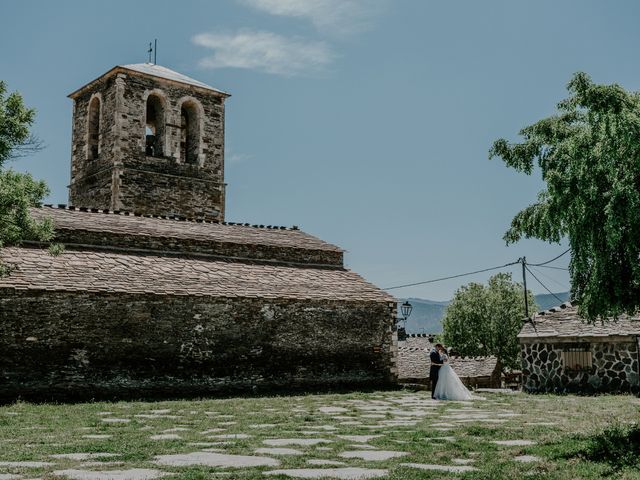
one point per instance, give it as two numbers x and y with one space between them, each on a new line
426 316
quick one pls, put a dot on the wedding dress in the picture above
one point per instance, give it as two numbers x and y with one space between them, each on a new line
449 385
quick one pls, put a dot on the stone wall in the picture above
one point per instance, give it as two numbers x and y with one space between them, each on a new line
614 368
160 185
85 345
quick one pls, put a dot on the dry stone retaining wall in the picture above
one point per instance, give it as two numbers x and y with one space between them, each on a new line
614 368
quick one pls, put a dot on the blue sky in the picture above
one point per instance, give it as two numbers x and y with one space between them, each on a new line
366 122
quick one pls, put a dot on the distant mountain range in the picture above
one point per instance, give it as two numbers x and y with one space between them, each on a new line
426 316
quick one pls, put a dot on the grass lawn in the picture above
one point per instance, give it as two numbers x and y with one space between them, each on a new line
564 435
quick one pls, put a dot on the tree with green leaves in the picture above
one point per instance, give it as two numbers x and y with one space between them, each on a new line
484 320
589 157
18 191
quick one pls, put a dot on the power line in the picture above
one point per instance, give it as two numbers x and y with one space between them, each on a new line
549 261
520 260
554 268
543 285
454 276
564 287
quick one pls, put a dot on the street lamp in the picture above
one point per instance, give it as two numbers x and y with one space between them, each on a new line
406 309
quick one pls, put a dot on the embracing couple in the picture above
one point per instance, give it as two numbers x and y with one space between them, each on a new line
445 384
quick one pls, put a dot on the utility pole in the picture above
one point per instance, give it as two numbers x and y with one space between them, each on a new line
523 260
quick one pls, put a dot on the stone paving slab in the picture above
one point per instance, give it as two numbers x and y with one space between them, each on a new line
278 451
327 409
208 444
84 456
166 436
27 464
358 438
462 461
373 455
213 459
132 474
321 461
97 437
154 416
281 442
9 476
514 443
347 473
527 458
440 468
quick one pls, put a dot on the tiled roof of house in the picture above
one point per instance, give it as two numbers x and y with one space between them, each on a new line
564 322
126 230
92 271
414 363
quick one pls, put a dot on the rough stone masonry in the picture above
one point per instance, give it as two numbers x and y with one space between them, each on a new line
155 293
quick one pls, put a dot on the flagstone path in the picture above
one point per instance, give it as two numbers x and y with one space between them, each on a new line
344 439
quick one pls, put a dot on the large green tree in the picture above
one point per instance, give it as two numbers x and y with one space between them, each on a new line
484 320
589 157
18 191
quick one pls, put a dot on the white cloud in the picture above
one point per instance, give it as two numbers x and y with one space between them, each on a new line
236 157
330 16
264 51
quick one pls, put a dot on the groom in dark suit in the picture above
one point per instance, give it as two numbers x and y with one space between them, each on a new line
436 363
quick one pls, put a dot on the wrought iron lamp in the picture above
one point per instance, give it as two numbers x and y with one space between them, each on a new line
406 309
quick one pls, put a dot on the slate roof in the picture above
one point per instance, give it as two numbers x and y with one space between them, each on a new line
167 73
66 219
91 271
155 71
413 361
563 322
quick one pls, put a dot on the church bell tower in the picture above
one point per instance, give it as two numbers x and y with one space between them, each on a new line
150 141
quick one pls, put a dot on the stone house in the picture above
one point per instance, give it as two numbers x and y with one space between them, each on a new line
413 364
155 292
562 353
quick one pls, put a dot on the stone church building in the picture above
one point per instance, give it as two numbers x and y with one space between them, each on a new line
155 292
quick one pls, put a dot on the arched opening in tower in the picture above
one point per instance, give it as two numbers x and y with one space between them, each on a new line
93 133
154 127
190 135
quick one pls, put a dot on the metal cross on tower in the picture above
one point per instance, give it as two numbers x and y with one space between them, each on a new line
153 49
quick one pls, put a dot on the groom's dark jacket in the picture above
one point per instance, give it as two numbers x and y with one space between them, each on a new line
434 356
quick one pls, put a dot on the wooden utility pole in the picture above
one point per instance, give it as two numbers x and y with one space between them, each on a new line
523 260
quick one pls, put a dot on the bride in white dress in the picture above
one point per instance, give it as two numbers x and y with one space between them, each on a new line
449 385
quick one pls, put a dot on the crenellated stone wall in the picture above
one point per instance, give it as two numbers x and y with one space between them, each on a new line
615 367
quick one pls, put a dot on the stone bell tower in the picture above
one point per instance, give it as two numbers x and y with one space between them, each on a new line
148 140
